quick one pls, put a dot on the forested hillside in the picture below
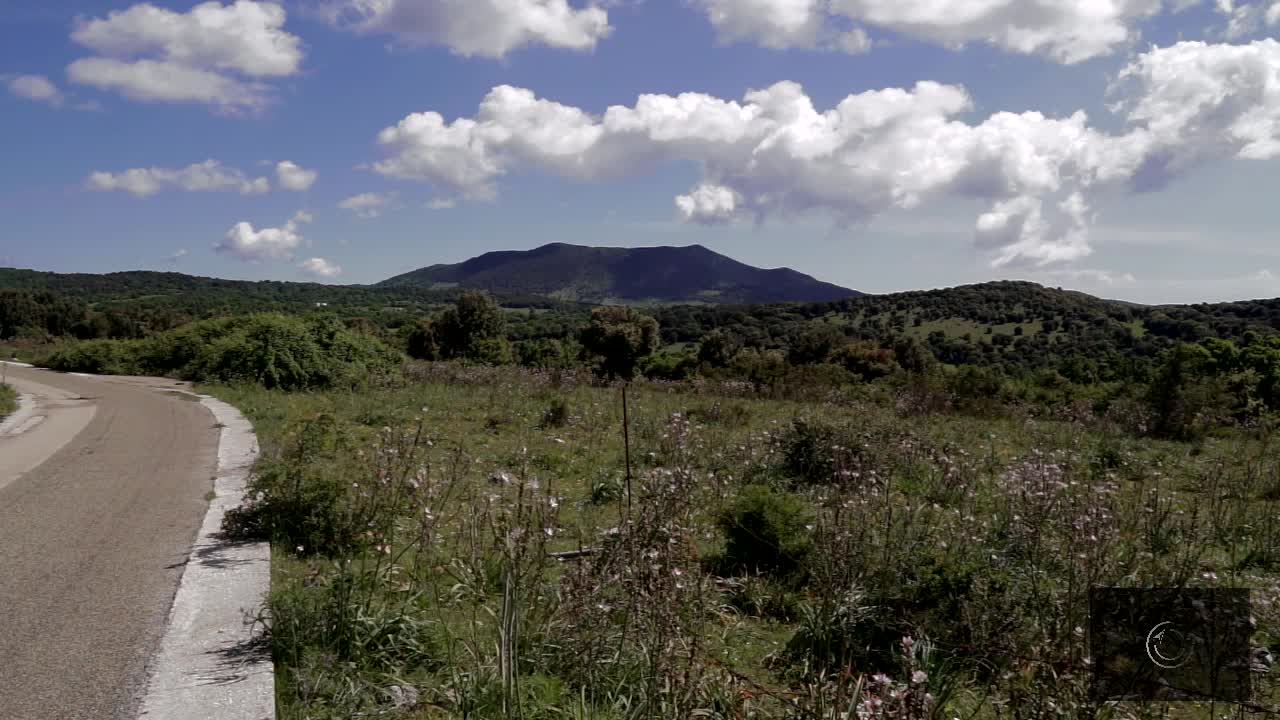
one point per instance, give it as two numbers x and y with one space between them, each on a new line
1010 326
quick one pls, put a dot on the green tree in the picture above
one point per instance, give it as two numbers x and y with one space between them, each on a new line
814 345
618 338
718 348
422 343
462 330
1174 396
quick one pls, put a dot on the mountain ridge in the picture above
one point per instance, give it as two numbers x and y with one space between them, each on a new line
663 274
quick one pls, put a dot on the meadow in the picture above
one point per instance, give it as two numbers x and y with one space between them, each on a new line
466 541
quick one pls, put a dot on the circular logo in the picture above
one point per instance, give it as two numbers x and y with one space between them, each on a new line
1167 646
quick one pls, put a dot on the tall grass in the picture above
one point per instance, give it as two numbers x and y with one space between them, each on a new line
8 400
462 545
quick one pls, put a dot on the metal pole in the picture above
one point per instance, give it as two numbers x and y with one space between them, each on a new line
626 442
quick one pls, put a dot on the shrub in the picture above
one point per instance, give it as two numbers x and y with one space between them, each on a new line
275 351
807 451
764 532
556 414
300 500
8 400
421 342
100 357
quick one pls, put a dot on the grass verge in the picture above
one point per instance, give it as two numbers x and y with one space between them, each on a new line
465 543
8 401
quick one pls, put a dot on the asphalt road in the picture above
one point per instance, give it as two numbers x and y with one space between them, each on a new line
101 496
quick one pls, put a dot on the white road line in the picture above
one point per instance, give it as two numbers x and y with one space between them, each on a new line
202 670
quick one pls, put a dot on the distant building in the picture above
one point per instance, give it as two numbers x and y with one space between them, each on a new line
319 304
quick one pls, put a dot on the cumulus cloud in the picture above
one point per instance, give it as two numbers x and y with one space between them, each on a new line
488 28
250 245
33 87
176 257
215 54
782 24
774 153
441 203
707 204
1245 17
292 176
207 176
1066 31
367 205
319 267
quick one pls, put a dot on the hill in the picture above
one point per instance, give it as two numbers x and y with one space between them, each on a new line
659 275
1013 324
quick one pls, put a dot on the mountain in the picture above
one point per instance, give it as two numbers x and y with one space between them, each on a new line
660 275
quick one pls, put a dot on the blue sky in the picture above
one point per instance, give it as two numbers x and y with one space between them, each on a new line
108 105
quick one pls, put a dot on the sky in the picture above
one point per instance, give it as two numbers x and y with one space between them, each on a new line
1126 148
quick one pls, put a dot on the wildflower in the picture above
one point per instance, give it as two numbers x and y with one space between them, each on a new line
919 677
300 549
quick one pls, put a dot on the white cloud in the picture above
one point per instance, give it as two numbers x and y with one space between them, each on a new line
33 87
776 154
250 245
441 203
367 205
320 268
175 257
707 204
150 80
1088 277
1246 17
292 176
489 28
1195 102
213 54
207 176
1067 31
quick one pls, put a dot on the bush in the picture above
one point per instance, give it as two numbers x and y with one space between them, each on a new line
8 400
421 342
275 351
556 414
300 500
764 532
808 453
100 357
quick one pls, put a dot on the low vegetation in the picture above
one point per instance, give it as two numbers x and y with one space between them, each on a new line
466 542
849 519
8 400
274 351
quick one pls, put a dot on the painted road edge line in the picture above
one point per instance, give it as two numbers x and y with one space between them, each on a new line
211 664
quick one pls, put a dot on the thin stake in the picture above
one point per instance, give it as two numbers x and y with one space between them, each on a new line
626 444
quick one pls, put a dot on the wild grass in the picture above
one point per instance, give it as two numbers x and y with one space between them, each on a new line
8 400
467 543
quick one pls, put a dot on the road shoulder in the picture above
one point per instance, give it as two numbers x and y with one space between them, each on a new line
212 664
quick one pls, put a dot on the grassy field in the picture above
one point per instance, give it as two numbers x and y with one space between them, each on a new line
8 401
464 544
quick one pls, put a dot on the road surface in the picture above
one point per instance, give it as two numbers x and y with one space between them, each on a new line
101 496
